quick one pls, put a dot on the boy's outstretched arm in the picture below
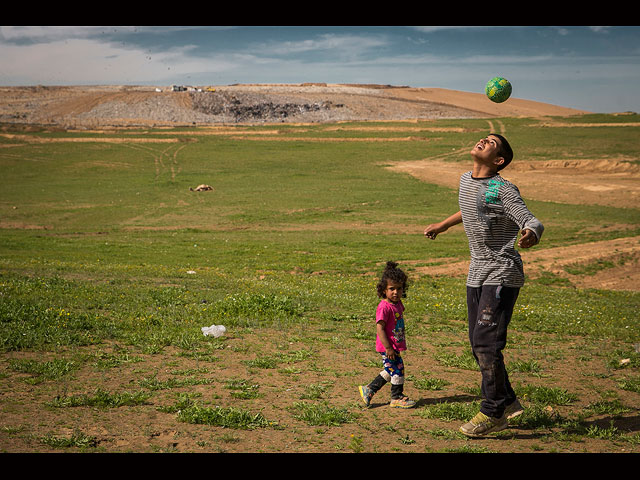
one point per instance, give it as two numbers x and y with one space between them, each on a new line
432 231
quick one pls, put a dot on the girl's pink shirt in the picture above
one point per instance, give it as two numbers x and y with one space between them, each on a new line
393 316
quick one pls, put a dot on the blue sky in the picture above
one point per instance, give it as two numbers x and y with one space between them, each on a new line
585 67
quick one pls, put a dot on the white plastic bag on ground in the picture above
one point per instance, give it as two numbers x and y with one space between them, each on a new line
214 330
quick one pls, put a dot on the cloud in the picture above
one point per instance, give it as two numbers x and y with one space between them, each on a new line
45 34
600 29
86 61
349 46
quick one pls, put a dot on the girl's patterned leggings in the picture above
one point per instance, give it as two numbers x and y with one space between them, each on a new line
393 369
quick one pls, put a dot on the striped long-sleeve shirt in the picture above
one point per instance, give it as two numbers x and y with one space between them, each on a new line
493 213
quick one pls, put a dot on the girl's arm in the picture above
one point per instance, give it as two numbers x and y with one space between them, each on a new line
391 353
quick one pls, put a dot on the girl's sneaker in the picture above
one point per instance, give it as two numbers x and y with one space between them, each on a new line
403 402
366 394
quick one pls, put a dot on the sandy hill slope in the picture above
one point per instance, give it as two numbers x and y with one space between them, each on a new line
478 102
91 106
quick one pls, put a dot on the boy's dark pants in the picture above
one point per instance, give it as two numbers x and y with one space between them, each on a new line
489 310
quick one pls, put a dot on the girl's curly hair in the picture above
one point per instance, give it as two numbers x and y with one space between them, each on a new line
393 273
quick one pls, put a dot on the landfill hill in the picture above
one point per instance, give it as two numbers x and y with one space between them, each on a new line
124 106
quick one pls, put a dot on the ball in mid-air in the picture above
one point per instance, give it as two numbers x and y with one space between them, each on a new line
498 89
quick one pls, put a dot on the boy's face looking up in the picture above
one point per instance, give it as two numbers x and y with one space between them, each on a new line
487 151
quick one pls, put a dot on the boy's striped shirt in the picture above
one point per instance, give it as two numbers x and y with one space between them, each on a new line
493 213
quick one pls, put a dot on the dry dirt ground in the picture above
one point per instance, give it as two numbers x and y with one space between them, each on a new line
26 419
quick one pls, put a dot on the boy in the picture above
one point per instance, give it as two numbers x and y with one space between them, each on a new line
492 213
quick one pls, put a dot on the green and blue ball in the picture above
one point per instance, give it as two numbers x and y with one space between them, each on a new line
498 89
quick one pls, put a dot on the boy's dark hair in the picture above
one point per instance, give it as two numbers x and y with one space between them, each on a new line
393 273
505 151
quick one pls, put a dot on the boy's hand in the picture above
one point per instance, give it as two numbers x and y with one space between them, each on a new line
433 230
528 239
391 354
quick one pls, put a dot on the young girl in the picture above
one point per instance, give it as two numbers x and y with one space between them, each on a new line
390 339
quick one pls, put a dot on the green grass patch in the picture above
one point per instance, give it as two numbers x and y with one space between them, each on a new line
465 360
630 384
315 391
228 417
243 389
321 414
430 383
450 411
76 440
545 395
101 399
41 371
152 383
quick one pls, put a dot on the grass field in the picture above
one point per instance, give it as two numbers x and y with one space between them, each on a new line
110 266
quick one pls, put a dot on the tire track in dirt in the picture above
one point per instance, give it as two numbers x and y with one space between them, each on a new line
159 158
501 130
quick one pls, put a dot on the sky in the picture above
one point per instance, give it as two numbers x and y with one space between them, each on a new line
593 68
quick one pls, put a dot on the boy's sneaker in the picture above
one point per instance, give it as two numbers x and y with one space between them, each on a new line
513 410
481 425
366 394
403 402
